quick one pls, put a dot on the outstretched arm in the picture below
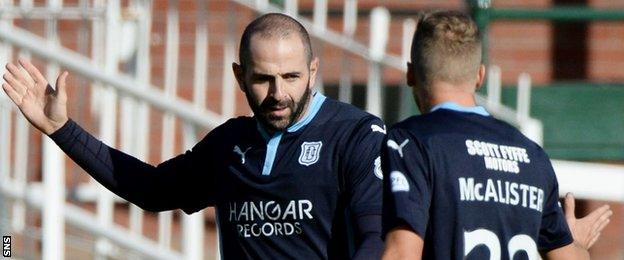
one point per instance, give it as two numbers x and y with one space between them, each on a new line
167 186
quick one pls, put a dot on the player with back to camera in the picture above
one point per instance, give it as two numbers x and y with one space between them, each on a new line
285 183
460 184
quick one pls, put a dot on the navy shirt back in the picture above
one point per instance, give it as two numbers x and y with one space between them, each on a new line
472 187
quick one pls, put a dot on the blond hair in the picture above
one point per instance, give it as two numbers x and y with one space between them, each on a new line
446 47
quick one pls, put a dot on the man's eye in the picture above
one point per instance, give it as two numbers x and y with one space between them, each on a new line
291 77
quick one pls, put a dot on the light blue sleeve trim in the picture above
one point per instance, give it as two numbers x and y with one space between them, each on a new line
456 107
271 151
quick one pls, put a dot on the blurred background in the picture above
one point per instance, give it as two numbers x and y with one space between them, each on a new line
153 77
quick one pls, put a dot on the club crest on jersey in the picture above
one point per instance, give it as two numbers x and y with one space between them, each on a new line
310 153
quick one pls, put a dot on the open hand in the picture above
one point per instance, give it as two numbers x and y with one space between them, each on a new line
44 107
586 231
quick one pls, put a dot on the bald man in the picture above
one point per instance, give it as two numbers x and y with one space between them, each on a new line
300 179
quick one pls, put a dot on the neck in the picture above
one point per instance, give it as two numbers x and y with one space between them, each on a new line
462 94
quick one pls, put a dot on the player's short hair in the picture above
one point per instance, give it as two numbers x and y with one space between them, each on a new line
446 47
269 26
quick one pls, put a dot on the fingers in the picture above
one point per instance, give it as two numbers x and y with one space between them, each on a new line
569 206
20 75
32 71
593 240
602 222
61 84
16 85
13 95
600 212
598 219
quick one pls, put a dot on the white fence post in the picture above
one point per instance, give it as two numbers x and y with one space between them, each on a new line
530 127
494 85
108 122
523 96
345 91
53 228
228 94
379 29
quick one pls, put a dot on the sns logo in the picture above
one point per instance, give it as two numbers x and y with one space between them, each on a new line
241 153
310 153
398 147
398 182
6 246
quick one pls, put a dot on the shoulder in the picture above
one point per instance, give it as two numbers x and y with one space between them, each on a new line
343 115
230 130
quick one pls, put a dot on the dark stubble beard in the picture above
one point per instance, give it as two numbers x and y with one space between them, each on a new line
272 124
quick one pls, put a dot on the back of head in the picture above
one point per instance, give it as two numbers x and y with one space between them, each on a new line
272 25
446 47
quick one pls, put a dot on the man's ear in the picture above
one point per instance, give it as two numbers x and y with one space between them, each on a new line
314 67
409 76
480 76
239 74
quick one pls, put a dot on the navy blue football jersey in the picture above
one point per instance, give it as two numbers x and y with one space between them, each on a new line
471 186
287 195
312 191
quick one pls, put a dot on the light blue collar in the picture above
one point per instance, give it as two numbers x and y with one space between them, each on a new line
456 107
273 141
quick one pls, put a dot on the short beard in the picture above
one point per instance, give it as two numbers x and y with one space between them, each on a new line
296 108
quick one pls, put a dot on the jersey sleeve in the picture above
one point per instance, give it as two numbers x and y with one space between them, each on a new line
554 230
407 185
172 184
363 168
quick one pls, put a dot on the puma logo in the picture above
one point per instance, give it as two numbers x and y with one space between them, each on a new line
392 144
242 154
377 128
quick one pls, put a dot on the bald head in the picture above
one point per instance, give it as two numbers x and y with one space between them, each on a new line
272 25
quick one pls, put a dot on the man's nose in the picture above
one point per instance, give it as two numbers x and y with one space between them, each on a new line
276 90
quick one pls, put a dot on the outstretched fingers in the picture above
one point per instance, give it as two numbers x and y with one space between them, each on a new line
15 84
13 95
33 72
601 222
603 212
20 74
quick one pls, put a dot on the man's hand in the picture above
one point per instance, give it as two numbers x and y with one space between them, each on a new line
44 107
586 231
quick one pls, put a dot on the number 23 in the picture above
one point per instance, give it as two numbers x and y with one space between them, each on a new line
488 238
